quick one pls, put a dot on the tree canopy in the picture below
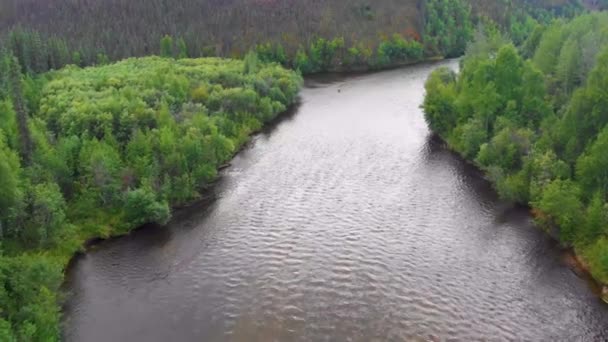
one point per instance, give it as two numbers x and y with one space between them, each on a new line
99 151
538 126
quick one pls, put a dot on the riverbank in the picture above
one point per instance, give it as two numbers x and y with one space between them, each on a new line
366 68
90 240
112 148
573 258
206 196
533 131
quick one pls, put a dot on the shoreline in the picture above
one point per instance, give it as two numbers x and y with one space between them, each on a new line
571 259
365 68
89 243
204 199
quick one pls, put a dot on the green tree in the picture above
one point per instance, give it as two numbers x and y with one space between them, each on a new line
166 47
531 43
448 27
508 74
141 206
548 51
9 183
102 59
568 65
506 149
46 216
25 141
534 107
468 138
251 62
560 202
595 220
592 166
182 48
439 104
100 165
77 58
302 62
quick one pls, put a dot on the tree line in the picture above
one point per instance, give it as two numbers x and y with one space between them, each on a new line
535 118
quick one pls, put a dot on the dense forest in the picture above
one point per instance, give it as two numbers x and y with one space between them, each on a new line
312 36
535 118
92 145
98 151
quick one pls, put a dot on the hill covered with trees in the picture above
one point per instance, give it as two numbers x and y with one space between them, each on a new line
536 120
117 29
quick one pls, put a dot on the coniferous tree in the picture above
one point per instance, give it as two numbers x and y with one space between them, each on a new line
166 47
25 140
182 49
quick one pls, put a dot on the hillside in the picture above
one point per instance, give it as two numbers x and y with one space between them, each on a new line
123 28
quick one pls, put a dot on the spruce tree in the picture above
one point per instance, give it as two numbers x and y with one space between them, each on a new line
25 141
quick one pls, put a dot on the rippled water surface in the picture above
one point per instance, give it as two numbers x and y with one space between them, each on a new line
346 221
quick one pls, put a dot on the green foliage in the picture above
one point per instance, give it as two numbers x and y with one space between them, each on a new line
487 40
544 167
469 137
597 256
506 149
166 47
142 206
586 113
539 127
77 58
46 215
398 50
595 222
521 27
28 287
182 49
271 53
102 59
592 166
568 66
531 43
10 172
34 54
113 147
325 55
251 62
567 51
439 104
302 62
560 203
448 27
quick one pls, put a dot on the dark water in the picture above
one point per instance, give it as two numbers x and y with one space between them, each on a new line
345 222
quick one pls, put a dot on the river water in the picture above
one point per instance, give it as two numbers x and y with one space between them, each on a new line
345 221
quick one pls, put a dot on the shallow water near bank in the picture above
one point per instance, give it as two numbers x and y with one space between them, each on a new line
345 221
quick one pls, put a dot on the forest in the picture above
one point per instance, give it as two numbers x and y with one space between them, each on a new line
93 145
534 118
96 152
312 36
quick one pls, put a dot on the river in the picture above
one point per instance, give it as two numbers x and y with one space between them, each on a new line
344 221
